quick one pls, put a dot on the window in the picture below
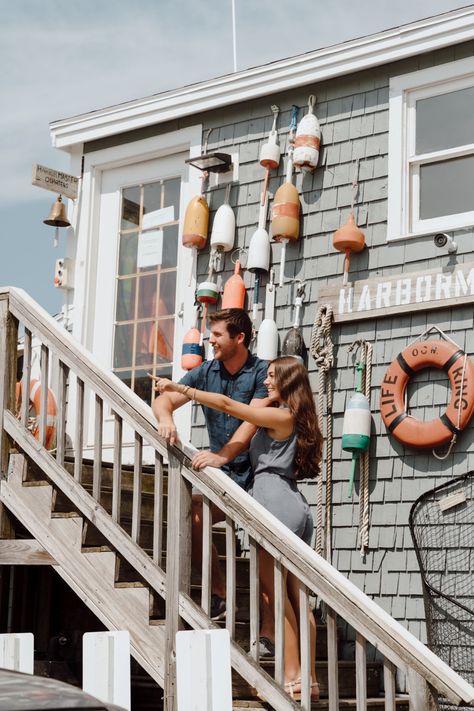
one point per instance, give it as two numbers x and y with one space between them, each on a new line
145 303
431 150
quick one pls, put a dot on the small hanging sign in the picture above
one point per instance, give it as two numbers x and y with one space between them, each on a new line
402 293
55 180
150 249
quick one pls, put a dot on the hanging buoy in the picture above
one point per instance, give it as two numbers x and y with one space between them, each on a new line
270 151
223 227
348 238
207 292
234 290
294 344
267 341
307 140
286 205
192 352
356 425
196 223
34 411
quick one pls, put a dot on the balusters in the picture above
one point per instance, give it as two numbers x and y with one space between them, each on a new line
389 675
230 575
97 467
26 379
361 672
79 430
137 488
279 588
333 675
43 417
158 492
117 468
254 599
206 563
306 653
61 416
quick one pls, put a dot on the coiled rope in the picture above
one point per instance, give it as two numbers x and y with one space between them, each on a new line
321 349
364 520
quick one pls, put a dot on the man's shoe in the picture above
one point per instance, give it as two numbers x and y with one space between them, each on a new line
218 607
266 648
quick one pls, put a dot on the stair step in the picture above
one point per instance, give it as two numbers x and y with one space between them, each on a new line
373 704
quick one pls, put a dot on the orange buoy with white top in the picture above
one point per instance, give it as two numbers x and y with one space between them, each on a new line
35 410
234 290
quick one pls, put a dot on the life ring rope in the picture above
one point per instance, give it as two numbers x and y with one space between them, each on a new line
447 421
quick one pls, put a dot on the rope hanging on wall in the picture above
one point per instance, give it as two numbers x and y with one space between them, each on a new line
364 521
321 349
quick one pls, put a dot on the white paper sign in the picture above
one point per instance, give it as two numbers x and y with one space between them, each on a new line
150 249
158 217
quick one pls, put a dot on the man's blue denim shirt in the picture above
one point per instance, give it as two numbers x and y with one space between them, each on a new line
244 386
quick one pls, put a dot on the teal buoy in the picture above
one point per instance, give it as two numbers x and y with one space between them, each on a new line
356 426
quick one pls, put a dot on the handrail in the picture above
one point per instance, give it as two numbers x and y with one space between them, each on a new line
395 642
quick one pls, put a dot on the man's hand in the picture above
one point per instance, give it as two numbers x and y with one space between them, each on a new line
208 459
167 430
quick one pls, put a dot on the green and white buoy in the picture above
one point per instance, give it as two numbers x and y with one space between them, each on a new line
356 425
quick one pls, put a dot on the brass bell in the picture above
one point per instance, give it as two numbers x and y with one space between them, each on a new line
57 216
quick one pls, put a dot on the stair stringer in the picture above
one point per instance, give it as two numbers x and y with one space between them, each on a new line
90 574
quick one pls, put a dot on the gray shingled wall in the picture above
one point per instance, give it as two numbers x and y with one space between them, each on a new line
353 112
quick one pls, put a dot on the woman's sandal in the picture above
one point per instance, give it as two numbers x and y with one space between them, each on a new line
295 694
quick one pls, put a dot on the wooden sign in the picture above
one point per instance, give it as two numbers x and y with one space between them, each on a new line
55 180
384 296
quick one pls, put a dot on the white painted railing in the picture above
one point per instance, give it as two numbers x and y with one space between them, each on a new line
170 577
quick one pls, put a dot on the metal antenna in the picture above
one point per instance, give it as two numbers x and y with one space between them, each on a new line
234 35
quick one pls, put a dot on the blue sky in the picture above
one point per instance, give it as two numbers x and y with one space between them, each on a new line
59 59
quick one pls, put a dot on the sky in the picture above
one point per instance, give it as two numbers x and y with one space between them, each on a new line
59 59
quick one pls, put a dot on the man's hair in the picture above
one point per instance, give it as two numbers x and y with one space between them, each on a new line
237 321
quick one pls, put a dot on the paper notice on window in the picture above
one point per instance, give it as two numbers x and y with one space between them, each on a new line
158 218
150 249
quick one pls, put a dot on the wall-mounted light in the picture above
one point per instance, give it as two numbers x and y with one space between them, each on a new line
212 162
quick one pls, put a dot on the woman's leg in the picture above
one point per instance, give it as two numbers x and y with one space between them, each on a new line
291 652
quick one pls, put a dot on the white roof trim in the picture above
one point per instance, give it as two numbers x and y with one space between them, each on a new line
388 46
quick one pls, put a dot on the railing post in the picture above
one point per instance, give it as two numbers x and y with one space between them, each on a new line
421 696
178 568
8 366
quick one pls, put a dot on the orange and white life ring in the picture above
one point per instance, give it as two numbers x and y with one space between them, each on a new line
447 356
35 409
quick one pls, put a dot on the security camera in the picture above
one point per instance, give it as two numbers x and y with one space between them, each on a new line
441 239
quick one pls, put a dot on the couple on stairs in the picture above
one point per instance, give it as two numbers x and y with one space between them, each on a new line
264 433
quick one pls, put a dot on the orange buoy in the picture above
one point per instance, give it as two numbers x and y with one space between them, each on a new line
196 223
234 290
192 351
286 213
348 238
35 409
447 356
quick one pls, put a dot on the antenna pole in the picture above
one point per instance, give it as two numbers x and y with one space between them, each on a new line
234 35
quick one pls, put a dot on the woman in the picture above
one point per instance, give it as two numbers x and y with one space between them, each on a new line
285 448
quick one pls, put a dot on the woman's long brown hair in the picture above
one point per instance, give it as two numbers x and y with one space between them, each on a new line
291 379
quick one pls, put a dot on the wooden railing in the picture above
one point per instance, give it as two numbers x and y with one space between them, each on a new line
86 391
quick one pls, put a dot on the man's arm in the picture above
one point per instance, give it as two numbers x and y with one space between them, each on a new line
163 408
238 443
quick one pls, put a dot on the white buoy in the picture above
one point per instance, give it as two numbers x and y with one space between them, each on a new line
307 140
223 227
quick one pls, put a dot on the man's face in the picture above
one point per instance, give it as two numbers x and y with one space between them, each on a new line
224 345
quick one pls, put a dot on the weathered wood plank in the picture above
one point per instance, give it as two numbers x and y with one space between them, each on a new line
137 487
158 510
389 673
230 575
206 563
361 672
43 414
61 416
421 697
305 651
98 434
26 379
24 552
279 584
117 468
333 673
254 599
79 430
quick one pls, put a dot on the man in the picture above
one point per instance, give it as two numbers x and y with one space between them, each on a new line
240 375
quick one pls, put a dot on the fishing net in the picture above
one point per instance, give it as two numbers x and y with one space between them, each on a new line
442 527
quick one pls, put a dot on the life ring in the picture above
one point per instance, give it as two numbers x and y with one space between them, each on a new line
428 354
35 409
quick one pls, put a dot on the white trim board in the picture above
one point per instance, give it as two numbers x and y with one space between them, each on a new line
356 55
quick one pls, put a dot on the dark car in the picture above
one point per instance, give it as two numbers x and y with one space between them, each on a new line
25 692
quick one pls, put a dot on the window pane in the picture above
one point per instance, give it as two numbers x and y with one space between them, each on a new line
170 246
130 208
147 296
447 187
445 121
172 188
161 338
125 376
151 197
145 343
128 254
123 346
126 289
167 294
143 385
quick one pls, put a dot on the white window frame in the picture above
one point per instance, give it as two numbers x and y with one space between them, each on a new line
403 164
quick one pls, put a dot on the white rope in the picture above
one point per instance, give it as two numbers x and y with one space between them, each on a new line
458 426
321 348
